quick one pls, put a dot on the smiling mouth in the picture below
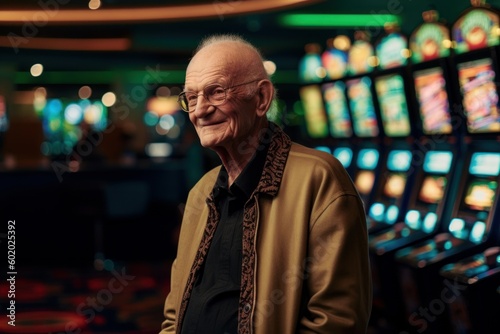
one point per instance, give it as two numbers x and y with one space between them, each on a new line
210 124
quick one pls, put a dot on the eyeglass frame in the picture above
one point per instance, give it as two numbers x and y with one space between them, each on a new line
183 93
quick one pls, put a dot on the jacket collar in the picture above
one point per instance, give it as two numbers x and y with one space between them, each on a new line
277 154
274 166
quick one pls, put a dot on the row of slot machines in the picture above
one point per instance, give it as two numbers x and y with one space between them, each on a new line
421 142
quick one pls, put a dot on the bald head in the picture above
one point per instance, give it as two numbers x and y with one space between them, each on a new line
241 59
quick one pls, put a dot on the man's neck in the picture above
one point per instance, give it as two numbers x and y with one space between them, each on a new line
236 158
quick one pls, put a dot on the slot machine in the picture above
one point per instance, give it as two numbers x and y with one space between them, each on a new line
339 122
473 223
365 123
311 74
334 60
391 90
435 156
63 122
475 309
476 33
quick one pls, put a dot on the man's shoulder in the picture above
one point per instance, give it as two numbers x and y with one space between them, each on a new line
207 181
307 155
318 166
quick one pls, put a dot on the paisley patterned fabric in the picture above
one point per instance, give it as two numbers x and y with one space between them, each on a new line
269 183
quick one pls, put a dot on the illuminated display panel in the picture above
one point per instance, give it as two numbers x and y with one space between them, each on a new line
438 162
4 122
335 63
344 155
480 96
310 68
393 105
476 29
62 121
430 88
364 119
485 164
367 158
430 42
360 58
336 108
399 160
314 112
391 51
480 194
395 185
364 181
432 190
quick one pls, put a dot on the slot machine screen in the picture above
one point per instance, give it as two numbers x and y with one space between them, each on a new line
367 162
476 30
432 190
430 41
436 163
391 51
479 95
360 58
335 63
344 155
398 162
484 169
393 105
336 108
395 185
4 122
430 88
480 194
483 163
360 96
310 68
314 112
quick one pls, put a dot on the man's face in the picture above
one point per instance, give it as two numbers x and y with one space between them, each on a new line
231 123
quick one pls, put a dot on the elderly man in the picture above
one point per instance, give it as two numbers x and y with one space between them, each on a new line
274 241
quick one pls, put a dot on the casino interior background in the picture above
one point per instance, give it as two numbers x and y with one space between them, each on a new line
96 159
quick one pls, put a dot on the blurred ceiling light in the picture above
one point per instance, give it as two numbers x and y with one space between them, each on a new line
270 67
342 42
36 70
94 4
84 92
160 13
108 99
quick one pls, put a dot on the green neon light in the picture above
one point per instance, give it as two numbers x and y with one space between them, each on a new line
338 20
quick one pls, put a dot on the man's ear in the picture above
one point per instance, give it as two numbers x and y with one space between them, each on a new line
265 96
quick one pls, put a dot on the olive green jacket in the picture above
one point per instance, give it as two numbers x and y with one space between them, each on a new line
305 265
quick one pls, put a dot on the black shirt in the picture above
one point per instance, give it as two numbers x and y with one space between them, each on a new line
213 305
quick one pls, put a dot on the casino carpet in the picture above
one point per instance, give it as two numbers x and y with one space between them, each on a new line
109 298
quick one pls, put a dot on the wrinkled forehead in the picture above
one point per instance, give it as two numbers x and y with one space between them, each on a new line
216 63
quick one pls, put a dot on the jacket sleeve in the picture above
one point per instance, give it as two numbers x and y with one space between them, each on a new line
338 284
168 325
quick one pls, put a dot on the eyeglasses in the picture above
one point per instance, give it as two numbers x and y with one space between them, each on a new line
215 95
